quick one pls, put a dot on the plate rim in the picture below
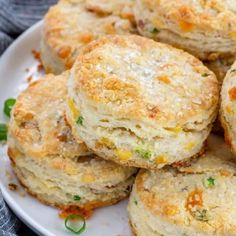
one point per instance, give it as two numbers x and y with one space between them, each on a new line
23 216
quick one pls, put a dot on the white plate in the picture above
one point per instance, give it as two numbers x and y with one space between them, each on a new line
44 220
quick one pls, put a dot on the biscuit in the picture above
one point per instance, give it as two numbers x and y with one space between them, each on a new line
228 107
49 162
71 24
197 200
141 103
207 29
220 68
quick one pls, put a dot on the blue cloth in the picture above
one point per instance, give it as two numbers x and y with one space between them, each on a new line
15 17
9 224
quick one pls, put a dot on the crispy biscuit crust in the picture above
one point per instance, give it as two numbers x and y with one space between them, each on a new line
70 25
86 77
204 28
134 93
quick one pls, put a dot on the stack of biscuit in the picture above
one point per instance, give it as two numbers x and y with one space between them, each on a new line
49 162
118 101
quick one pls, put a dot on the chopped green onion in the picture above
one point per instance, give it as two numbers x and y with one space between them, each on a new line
3 132
76 197
201 215
8 104
146 154
80 120
135 202
154 30
232 71
209 182
75 223
205 74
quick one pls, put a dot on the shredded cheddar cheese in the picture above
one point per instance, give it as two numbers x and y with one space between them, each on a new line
88 178
225 173
188 146
86 37
194 199
232 93
233 34
86 213
64 52
164 79
109 29
176 129
106 142
161 159
185 26
228 109
123 155
171 210
75 112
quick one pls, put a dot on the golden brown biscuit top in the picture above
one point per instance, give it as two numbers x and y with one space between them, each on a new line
204 203
123 8
135 77
204 194
191 15
38 126
70 24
